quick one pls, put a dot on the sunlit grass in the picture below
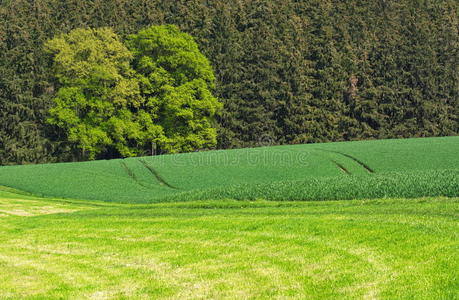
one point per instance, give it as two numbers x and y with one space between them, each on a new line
371 249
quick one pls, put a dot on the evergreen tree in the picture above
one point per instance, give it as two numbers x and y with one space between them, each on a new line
287 71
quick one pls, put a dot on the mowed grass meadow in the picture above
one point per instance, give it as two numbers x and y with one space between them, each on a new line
356 220
357 249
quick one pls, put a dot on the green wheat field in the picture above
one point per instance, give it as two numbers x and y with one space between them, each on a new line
352 220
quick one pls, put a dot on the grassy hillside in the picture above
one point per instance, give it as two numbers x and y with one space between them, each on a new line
349 170
372 249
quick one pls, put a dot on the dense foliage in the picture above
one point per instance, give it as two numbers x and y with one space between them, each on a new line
176 79
286 71
99 90
112 101
351 170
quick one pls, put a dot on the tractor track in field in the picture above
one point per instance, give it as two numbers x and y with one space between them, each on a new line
358 161
151 170
341 167
132 175
156 175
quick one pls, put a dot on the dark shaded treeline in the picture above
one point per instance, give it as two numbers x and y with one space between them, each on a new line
287 71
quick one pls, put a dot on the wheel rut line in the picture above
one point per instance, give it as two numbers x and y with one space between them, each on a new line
341 167
132 175
156 175
361 163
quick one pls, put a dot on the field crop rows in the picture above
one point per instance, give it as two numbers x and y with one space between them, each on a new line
348 170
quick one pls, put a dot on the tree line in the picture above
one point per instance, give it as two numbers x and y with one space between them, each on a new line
286 71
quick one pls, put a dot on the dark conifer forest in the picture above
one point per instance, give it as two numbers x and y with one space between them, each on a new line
287 71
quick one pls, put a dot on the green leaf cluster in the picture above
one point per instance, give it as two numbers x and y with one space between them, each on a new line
115 99
176 80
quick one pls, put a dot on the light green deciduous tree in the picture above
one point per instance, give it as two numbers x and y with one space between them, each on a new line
113 100
176 80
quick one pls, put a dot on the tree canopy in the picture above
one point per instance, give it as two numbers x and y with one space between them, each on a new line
176 80
112 100
285 71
